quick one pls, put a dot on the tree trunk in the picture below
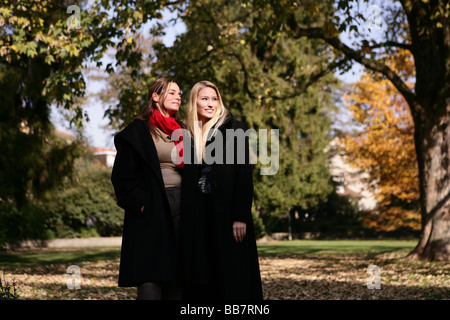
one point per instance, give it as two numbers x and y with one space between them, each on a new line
431 113
429 29
432 138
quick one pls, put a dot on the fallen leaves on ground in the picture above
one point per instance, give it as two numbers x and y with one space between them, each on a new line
336 277
289 277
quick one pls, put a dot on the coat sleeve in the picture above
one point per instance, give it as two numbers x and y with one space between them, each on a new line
127 182
243 191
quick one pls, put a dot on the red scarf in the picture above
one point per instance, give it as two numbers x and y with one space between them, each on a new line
169 125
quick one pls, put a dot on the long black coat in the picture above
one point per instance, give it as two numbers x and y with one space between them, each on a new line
148 242
238 274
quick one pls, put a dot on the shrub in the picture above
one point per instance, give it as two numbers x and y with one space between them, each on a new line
85 205
21 224
7 291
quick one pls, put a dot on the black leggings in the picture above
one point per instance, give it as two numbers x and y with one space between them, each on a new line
159 291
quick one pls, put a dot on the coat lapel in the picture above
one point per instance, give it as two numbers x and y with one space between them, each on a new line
138 135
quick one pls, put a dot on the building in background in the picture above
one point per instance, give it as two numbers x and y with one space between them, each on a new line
350 180
104 156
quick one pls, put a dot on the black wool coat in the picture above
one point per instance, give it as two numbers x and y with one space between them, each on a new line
237 275
148 241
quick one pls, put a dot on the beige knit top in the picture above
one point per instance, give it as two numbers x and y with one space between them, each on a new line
171 174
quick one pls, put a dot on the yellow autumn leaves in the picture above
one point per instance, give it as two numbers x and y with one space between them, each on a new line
384 146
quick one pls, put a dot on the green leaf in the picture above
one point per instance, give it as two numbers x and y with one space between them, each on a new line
49 59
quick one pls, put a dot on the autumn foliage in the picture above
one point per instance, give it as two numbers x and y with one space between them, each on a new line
384 146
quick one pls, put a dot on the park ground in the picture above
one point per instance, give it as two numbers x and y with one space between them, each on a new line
290 270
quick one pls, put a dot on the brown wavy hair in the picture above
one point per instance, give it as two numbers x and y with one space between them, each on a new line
160 87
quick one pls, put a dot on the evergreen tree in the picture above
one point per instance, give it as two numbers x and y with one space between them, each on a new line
265 84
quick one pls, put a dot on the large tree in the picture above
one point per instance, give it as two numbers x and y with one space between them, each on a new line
44 46
422 27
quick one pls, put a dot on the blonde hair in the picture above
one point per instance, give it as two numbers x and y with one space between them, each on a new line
198 131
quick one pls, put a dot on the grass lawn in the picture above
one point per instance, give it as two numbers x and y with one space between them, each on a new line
290 270
43 256
317 247
46 256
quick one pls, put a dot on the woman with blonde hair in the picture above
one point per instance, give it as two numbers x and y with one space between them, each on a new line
220 258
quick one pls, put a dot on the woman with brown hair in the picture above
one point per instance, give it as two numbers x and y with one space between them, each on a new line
147 186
